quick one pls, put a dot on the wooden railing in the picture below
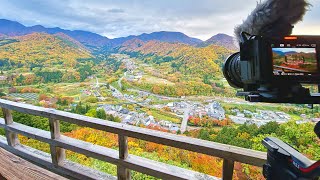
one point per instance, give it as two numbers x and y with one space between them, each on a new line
122 159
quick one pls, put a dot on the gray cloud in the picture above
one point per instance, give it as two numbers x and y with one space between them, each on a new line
201 18
116 10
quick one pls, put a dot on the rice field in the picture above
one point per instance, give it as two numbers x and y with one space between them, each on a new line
28 96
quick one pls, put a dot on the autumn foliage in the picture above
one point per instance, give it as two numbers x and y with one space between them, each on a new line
208 122
41 48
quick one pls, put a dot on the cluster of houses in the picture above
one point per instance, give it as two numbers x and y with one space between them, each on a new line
134 76
259 118
213 109
137 119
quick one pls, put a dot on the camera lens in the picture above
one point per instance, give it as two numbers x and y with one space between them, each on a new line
232 72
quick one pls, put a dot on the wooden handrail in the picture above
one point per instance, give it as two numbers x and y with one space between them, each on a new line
124 161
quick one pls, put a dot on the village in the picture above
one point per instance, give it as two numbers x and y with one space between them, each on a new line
187 109
181 108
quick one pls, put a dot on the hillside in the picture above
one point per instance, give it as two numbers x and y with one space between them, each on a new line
183 58
194 71
220 40
42 49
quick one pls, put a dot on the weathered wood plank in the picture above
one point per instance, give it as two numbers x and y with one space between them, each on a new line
227 170
135 163
122 172
233 153
123 147
58 155
67 169
14 168
54 128
12 138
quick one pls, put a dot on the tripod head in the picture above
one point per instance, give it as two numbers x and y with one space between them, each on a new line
285 162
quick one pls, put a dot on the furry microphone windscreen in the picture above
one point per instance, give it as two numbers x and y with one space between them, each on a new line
273 18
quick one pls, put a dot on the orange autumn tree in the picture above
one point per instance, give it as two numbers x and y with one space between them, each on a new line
185 159
174 156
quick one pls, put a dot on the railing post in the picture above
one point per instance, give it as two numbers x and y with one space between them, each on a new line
12 138
122 172
227 171
58 154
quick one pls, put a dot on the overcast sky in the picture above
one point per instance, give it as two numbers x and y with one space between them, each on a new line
117 18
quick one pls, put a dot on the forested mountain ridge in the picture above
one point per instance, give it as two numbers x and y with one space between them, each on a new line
42 49
12 28
94 40
163 36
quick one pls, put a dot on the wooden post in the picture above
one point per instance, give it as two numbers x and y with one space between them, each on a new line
12 138
58 154
122 172
227 172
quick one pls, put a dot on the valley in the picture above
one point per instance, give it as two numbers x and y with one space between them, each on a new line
162 81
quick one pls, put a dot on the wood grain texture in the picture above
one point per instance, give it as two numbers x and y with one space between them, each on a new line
58 154
12 137
67 169
228 167
15 168
122 172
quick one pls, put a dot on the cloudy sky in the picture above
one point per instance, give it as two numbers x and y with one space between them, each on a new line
118 18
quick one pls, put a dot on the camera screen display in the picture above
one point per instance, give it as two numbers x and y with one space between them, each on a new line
295 61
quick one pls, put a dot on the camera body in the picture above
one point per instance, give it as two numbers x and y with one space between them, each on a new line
294 59
273 69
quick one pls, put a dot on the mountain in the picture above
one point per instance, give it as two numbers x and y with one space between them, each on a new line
42 49
163 36
95 41
12 28
279 53
89 39
2 36
220 40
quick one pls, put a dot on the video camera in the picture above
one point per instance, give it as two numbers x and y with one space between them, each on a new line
274 69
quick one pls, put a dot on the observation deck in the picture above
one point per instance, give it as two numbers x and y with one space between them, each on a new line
57 163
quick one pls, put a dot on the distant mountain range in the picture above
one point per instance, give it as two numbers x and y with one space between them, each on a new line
12 28
281 53
90 40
